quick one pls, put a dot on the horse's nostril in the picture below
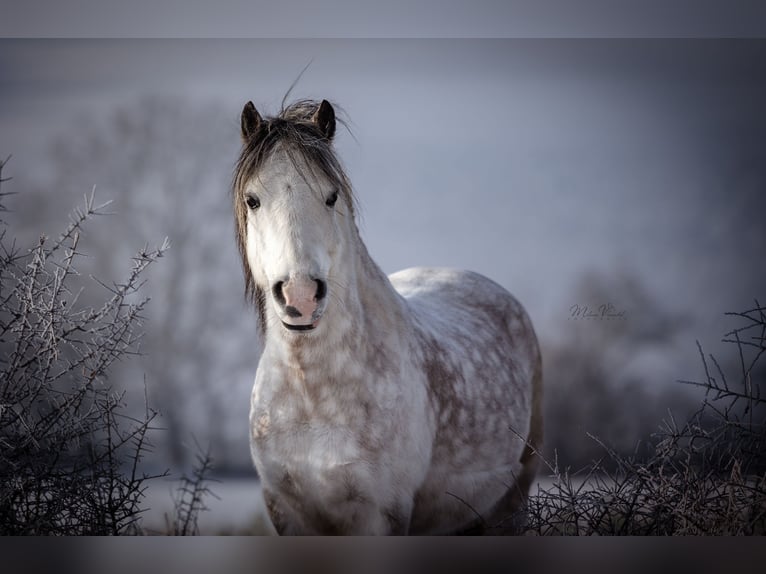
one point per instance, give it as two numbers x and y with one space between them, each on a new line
277 291
321 289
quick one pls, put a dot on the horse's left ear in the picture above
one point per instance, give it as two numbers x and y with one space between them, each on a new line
324 118
250 121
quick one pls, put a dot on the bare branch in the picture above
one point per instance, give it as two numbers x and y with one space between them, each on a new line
70 455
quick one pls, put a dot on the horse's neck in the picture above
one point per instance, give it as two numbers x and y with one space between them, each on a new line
367 313
381 309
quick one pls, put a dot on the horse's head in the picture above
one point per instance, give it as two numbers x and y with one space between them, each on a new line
293 208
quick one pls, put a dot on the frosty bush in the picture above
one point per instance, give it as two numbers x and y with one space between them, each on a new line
704 476
69 453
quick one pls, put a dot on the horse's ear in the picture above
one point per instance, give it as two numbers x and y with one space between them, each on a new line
324 118
250 121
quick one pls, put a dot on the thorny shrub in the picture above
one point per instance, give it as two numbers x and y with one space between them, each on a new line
69 452
706 476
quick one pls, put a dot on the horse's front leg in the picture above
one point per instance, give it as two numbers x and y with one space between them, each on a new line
279 515
366 518
339 517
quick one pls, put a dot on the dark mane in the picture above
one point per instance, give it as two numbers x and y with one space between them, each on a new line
294 132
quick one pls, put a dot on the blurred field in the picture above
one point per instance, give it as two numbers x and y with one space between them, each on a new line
236 508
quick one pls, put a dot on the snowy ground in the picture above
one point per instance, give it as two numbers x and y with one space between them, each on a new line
238 508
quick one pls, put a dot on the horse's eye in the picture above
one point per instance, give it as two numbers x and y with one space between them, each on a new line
253 202
332 199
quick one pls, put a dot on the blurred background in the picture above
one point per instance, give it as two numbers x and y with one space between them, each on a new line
619 174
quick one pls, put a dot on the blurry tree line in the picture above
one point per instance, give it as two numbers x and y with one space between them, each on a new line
166 164
700 474
611 373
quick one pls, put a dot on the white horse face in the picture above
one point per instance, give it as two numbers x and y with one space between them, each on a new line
295 231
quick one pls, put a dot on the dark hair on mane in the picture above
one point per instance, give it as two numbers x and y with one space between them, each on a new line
294 132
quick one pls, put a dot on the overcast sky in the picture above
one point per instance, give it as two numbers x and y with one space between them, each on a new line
531 161
390 19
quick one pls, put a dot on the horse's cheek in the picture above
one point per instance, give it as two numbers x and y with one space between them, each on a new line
254 253
339 242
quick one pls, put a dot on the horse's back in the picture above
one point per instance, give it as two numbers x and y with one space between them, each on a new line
482 362
470 317
432 288
468 305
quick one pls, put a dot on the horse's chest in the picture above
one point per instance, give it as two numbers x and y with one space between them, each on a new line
285 435
305 443
325 450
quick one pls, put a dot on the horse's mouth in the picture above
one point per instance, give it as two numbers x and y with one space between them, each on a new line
290 327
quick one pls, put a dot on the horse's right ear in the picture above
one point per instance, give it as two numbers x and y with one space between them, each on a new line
250 121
